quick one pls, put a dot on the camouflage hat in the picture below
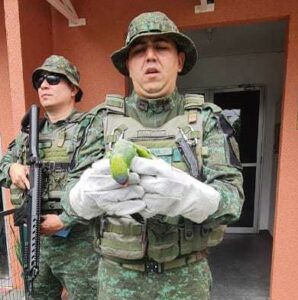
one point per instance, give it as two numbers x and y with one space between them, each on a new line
155 23
60 65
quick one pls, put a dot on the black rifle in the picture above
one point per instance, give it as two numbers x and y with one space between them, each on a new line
27 217
31 220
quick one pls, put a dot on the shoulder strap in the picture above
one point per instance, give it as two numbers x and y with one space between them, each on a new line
115 104
78 117
112 104
193 103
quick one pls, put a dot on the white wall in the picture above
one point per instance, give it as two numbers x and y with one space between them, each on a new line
249 54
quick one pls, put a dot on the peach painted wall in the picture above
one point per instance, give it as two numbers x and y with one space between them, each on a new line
5 111
15 66
91 46
37 42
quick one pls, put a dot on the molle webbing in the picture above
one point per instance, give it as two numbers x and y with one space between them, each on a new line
161 141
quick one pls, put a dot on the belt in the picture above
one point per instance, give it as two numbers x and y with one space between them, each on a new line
155 267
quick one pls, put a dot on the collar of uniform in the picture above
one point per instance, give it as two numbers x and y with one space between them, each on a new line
156 105
66 120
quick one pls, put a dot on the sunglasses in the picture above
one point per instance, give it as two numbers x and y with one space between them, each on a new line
52 79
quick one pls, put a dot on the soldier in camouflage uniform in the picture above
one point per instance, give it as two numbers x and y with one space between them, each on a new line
155 231
68 258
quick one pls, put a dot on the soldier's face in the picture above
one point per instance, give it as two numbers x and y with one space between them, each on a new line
154 63
58 96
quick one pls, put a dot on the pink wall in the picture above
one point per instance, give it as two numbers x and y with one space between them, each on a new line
37 41
285 257
12 92
5 111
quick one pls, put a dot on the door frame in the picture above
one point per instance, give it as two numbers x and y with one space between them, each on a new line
209 95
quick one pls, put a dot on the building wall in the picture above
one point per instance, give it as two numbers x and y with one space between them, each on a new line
5 100
37 40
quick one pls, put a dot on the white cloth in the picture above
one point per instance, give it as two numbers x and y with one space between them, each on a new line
97 193
172 192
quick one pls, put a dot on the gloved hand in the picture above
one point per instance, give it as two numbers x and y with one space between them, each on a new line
97 193
172 192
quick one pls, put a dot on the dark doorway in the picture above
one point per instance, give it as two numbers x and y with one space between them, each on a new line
242 110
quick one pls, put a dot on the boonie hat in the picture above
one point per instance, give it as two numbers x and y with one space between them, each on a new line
155 23
60 65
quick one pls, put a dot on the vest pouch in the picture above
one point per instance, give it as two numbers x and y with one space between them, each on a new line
216 235
122 237
162 241
51 207
193 240
57 181
53 177
50 151
42 148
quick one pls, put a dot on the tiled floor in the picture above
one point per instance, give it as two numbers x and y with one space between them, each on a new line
241 267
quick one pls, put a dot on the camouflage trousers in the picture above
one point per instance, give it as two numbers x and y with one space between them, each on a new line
191 282
70 263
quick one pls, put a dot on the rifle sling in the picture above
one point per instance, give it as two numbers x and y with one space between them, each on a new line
7 212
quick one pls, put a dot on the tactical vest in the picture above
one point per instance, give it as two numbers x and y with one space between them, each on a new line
160 238
57 150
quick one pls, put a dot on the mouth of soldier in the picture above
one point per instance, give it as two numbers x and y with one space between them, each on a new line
151 71
46 95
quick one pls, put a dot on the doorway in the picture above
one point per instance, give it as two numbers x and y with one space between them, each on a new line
243 108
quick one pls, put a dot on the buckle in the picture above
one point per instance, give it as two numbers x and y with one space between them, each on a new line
49 165
153 267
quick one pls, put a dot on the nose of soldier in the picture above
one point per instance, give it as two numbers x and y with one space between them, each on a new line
150 53
44 84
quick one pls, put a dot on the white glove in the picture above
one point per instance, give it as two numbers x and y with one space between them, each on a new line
172 192
97 193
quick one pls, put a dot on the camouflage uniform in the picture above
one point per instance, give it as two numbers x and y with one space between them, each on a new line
71 261
185 276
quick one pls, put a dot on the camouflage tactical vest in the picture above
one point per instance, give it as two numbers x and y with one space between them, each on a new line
160 238
56 150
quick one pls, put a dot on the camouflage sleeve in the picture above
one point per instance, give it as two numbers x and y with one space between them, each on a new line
90 150
221 166
13 155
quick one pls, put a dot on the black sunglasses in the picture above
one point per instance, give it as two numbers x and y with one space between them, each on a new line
52 79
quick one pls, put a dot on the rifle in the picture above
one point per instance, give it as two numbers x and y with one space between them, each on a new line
30 223
27 217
